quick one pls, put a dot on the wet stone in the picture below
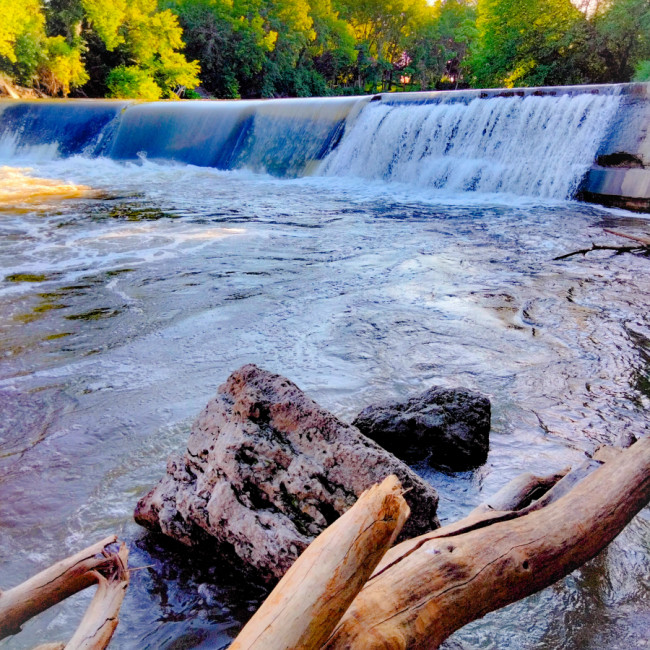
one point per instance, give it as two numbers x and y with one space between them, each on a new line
448 428
266 469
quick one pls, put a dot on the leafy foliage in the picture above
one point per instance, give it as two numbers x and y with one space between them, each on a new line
131 81
441 46
56 47
269 48
551 42
642 71
62 67
20 19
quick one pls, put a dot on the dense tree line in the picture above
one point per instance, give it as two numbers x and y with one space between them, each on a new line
269 48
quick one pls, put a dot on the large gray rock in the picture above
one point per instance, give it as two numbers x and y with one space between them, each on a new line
266 470
449 428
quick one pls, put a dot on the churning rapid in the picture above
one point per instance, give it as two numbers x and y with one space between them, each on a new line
365 248
536 145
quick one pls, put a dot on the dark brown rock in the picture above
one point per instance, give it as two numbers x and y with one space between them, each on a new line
449 428
267 469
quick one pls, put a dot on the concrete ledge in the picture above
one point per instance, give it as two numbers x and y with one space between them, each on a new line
622 188
633 91
613 201
628 138
632 183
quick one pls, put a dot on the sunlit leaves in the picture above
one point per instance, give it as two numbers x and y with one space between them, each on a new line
441 44
525 42
147 40
18 18
62 67
131 81
107 19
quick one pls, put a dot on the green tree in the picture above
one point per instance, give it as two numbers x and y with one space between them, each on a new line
622 32
32 58
144 38
442 43
292 22
131 81
385 30
230 38
333 51
642 71
528 43
20 18
62 67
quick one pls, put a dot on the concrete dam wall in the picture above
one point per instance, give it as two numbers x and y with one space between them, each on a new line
620 175
588 142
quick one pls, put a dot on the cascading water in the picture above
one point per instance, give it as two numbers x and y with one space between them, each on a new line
538 146
57 128
535 145
281 137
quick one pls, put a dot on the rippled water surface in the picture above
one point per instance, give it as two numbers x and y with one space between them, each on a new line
125 305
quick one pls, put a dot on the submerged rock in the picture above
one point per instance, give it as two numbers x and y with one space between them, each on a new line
449 428
266 470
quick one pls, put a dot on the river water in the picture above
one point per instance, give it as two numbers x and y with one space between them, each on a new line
130 290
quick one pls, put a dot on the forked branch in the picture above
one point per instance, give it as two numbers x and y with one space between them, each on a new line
95 564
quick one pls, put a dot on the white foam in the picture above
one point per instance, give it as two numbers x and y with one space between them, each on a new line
11 151
535 146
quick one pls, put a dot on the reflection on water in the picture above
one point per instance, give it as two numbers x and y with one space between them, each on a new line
123 311
21 192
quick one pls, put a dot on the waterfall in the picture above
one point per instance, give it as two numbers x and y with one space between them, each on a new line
49 128
283 137
536 143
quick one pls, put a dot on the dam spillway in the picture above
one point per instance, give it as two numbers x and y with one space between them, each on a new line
531 142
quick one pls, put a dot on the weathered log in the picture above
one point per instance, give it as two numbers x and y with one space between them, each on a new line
525 493
425 589
521 492
65 578
308 602
605 453
51 586
101 617
566 484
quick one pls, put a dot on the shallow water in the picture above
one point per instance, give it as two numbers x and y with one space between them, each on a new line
123 310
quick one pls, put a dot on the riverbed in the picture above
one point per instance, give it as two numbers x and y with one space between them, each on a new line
127 298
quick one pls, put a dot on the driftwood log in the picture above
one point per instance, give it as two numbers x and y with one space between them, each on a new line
95 564
530 534
425 589
308 602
